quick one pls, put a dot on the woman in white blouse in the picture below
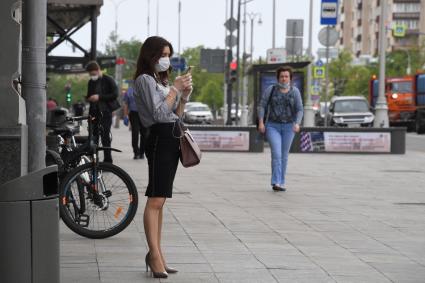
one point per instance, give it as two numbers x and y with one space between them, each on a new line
159 106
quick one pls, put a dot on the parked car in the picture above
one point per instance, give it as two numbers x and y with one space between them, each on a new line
319 117
233 111
198 113
350 111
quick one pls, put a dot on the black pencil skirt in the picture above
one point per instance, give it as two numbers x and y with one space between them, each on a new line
163 153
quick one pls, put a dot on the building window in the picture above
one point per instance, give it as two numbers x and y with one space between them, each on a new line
359 38
406 7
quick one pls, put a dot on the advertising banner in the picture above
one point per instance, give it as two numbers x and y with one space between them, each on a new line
345 142
222 140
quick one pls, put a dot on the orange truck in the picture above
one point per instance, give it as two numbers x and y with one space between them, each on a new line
406 100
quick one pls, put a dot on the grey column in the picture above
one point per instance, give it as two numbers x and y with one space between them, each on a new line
34 78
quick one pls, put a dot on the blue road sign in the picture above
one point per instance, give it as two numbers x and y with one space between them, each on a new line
178 63
319 63
329 12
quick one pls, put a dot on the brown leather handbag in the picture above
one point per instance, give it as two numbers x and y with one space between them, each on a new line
190 153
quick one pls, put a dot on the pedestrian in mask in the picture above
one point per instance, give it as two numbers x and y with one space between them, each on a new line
160 104
102 91
280 112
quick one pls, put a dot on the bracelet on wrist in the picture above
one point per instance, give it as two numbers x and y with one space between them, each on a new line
185 100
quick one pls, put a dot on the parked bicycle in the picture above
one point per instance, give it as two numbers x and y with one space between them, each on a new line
97 199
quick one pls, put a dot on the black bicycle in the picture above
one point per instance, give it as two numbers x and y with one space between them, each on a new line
97 199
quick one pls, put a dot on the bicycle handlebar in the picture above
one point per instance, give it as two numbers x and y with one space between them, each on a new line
77 118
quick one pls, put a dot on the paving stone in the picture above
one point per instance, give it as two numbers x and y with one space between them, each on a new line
340 221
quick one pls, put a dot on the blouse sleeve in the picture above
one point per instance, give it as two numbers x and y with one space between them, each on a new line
155 100
261 109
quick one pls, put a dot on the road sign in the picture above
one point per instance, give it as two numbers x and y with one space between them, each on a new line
319 63
399 30
294 28
294 46
333 52
231 40
178 63
231 24
319 72
315 97
333 36
329 12
212 60
276 55
315 90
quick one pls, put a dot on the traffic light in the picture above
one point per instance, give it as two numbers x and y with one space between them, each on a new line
68 93
68 97
233 76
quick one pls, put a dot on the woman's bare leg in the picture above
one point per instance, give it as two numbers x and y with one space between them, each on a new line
151 217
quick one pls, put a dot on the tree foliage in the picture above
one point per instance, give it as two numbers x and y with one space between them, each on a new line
56 87
129 49
347 78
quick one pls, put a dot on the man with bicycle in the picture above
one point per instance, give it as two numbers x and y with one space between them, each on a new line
102 93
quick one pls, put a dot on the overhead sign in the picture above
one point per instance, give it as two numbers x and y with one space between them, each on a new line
399 30
294 28
294 46
329 12
276 55
212 60
319 72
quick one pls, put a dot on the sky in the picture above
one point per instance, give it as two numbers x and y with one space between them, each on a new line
202 23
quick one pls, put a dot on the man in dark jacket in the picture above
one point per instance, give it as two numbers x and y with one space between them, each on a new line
102 91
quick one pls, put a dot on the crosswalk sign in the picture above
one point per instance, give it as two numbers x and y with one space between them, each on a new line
319 72
399 30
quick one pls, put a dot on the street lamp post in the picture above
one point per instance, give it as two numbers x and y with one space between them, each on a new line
244 114
179 26
118 67
381 109
149 18
274 25
116 6
308 109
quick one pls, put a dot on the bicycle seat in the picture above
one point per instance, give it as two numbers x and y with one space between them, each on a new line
67 130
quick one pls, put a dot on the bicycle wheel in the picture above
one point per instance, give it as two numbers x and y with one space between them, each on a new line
98 201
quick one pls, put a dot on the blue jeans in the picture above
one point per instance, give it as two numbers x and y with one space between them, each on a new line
280 137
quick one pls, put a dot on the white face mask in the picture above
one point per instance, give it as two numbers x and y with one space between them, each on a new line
163 64
94 78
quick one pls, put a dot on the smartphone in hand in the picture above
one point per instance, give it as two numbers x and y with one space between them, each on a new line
188 70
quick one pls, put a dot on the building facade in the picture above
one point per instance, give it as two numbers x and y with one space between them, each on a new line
358 24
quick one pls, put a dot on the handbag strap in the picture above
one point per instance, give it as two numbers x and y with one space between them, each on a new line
268 103
178 124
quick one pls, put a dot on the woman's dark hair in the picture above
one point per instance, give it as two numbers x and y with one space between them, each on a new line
150 53
284 69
